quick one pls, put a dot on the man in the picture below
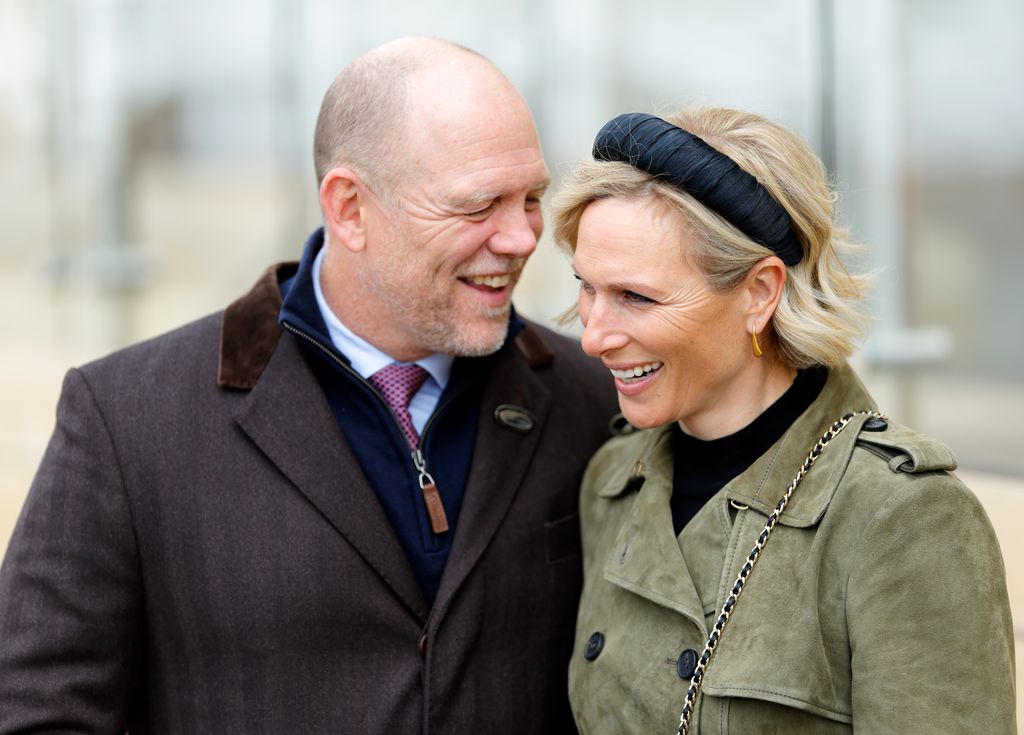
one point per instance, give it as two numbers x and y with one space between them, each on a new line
239 527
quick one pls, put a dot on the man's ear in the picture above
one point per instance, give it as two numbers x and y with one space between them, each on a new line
342 200
764 286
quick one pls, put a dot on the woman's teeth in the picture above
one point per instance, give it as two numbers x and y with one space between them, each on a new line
636 372
491 281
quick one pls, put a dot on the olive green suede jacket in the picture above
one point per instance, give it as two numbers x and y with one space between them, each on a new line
878 604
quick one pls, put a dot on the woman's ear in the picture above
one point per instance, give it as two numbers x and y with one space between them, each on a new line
764 286
342 200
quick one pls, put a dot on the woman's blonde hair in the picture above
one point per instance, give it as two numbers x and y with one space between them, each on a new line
818 319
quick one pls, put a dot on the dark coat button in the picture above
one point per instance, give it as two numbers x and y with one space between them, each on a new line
875 424
594 645
423 645
686 664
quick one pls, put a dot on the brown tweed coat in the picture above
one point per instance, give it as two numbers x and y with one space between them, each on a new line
201 553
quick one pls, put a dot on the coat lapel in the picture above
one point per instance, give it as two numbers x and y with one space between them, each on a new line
646 558
500 461
287 417
843 393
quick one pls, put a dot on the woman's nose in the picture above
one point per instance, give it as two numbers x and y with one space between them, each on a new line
600 333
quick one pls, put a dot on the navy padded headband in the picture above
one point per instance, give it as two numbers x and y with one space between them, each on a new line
667 152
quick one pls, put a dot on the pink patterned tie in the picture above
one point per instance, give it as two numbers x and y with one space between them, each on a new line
398 384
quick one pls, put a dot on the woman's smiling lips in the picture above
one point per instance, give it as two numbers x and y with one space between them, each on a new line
631 379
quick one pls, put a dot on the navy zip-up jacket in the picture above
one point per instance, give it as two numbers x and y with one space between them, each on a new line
372 432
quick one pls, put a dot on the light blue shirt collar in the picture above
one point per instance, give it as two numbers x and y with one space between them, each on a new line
366 359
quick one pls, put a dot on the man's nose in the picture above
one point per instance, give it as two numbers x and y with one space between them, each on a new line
516 236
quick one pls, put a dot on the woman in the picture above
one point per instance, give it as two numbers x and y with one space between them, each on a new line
711 286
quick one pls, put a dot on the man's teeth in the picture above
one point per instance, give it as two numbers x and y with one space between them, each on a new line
492 281
636 372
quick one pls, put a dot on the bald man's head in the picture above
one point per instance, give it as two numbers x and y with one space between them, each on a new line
365 112
431 176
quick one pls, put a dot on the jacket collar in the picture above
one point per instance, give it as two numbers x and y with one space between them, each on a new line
765 481
249 330
300 307
646 544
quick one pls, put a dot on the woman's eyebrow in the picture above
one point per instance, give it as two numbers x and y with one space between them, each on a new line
627 285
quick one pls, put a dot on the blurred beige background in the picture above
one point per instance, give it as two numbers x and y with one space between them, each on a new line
154 158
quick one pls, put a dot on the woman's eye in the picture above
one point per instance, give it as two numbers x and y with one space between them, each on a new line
584 286
635 298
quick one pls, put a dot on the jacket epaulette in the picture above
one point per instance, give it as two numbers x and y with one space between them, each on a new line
904 449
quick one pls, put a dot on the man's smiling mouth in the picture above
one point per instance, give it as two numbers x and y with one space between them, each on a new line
494 281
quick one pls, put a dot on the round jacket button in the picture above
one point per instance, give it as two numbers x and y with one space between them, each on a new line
514 417
876 424
423 645
686 664
594 645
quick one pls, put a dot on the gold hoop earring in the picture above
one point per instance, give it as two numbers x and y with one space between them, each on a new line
754 344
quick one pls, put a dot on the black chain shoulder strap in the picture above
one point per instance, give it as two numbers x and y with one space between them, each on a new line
748 565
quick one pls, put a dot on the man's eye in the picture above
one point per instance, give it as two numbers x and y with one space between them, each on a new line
482 211
532 203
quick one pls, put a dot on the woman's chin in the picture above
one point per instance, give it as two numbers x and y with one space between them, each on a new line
642 419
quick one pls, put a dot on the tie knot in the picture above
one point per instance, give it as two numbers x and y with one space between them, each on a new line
399 383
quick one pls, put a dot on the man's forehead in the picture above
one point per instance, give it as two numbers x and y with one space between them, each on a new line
447 101
471 138
479 160
520 168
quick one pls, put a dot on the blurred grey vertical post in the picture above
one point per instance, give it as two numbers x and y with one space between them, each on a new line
882 140
881 132
59 22
290 159
537 87
883 146
827 84
90 161
113 258
569 90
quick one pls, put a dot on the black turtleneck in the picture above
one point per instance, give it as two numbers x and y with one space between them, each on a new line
702 468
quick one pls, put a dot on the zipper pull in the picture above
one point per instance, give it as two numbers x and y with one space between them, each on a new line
431 497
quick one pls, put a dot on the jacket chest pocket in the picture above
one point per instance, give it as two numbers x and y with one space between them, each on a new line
784 655
752 716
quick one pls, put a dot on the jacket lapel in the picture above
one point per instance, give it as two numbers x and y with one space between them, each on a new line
500 460
646 558
843 393
286 416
